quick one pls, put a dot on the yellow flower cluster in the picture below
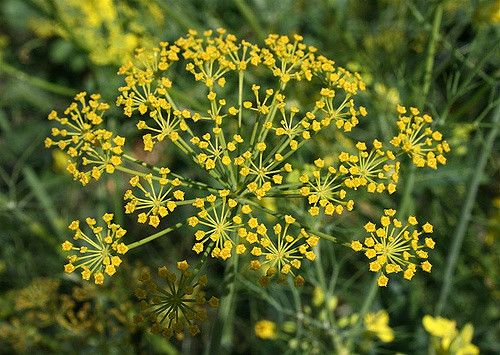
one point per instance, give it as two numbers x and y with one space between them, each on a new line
378 324
377 170
425 146
242 134
92 149
450 340
157 196
396 246
173 304
97 256
282 253
223 223
323 189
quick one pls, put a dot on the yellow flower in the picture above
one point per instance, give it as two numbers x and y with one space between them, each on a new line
282 254
323 189
220 224
395 247
375 170
97 255
265 329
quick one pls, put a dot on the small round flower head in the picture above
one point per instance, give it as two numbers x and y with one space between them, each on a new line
282 253
171 303
265 329
376 170
98 252
395 246
323 189
418 140
154 197
92 150
220 222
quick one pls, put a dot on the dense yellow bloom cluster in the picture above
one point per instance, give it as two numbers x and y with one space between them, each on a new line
156 196
378 324
98 254
425 146
221 224
92 149
396 246
449 339
173 304
282 253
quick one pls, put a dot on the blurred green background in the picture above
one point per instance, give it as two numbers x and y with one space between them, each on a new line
441 56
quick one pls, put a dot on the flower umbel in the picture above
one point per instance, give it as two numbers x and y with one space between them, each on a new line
157 196
98 255
396 247
282 253
418 140
173 304
93 150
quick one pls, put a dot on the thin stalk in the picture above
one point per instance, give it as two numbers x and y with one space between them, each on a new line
465 216
154 236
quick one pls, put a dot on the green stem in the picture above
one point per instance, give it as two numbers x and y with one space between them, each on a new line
154 236
367 303
36 81
465 215
429 60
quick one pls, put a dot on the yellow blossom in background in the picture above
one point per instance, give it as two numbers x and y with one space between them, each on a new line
109 30
449 339
265 329
378 324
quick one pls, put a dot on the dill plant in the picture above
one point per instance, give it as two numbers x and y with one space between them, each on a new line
243 143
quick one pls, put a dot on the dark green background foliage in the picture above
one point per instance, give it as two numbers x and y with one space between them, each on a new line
388 43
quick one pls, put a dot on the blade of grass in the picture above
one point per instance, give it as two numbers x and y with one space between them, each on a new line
43 197
35 81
